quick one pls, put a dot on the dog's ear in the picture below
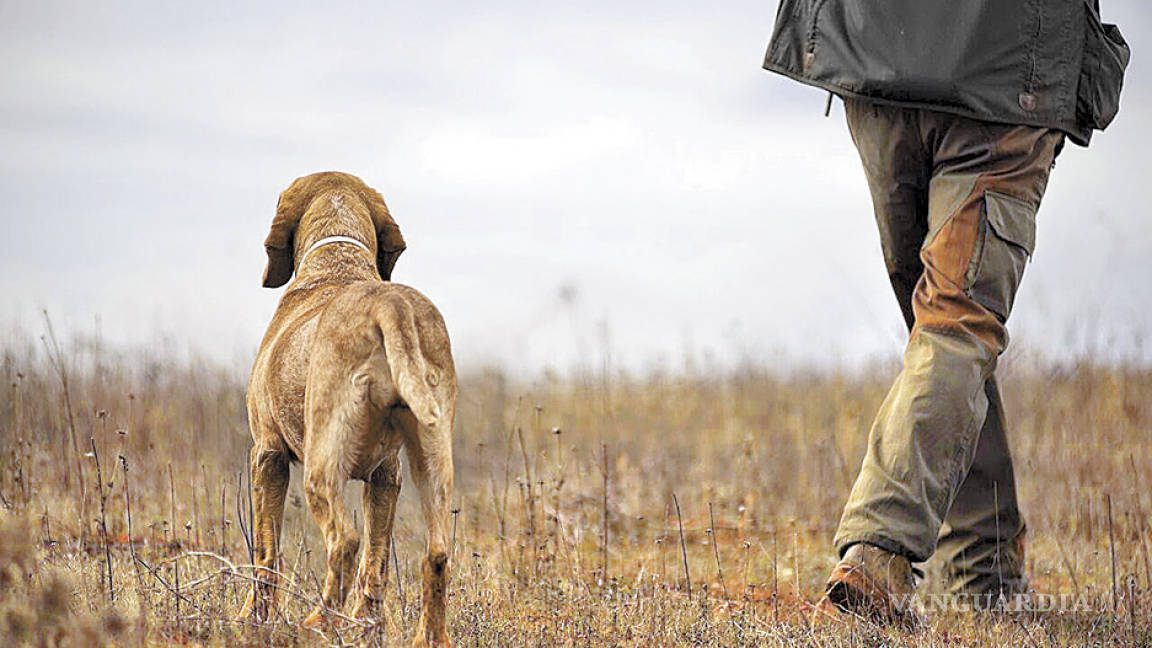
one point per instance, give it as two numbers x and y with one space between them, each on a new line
289 209
389 242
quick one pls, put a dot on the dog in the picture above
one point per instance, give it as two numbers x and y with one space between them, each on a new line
351 369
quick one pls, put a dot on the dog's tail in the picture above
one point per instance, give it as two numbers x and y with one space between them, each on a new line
413 377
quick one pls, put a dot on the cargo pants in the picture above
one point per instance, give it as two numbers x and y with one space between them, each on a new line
955 201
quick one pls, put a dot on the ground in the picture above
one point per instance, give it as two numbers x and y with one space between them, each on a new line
683 507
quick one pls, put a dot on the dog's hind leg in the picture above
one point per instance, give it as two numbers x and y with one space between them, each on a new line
380 492
325 494
269 464
429 451
324 489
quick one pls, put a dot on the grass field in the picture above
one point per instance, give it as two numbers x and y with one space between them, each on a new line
676 508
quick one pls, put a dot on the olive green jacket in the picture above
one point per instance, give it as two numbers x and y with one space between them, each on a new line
1047 63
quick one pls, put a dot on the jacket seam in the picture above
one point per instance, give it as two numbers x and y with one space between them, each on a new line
810 46
1031 84
1070 81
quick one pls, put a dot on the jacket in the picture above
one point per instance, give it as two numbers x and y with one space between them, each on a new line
1046 63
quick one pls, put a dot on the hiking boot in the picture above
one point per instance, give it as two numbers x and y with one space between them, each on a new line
872 583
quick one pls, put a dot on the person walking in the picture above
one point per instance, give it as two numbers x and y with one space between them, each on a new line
958 111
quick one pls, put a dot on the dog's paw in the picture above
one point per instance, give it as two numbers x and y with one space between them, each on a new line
430 639
371 610
256 609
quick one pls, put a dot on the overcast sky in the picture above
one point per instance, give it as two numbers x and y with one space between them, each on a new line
570 177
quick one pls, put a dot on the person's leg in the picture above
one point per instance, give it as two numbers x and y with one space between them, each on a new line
870 580
898 167
980 551
986 186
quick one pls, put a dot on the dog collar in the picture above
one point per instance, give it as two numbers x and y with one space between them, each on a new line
328 240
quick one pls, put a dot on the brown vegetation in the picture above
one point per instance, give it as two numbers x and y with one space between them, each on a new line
674 508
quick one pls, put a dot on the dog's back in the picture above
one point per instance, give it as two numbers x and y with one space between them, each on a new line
277 385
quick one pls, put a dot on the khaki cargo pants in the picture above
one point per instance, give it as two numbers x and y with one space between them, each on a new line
955 201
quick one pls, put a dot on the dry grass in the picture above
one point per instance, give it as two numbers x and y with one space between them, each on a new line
125 507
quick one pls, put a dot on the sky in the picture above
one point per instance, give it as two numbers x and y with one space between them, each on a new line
580 184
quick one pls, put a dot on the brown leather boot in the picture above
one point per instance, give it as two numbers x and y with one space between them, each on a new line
872 583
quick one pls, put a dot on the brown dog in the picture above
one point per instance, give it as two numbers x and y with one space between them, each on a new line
351 368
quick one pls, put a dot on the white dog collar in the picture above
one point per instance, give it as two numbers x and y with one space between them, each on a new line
328 240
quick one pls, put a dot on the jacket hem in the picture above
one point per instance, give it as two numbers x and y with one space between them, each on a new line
1080 137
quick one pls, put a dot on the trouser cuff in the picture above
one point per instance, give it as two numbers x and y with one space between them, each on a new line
876 540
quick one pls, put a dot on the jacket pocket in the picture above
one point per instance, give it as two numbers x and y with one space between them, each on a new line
1007 238
1105 58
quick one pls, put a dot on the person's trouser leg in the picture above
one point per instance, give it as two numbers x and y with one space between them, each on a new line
980 549
986 182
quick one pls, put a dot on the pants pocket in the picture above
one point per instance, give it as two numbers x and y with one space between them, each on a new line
1006 240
